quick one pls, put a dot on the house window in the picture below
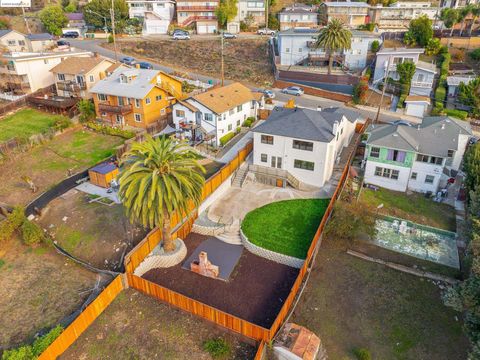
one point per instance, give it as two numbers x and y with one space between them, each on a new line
137 103
266 139
120 101
305 165
102 97
263 158
92 78
11 42
422 158
231 112
450 153
429 179
375 152
119 119
147 101
138 118
230 127
162 111
61 77
394 175
208 117
413 176
303 145
387 173
239 108
287 50
158 97
104 114
395 155
238 122
378 171
436 160
421 78
21 42
180 113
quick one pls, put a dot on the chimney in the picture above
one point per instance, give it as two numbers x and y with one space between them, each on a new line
335 128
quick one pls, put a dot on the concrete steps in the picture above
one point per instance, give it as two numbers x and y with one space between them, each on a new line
240 177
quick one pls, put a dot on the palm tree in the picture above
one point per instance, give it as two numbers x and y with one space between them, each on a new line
334 37
467 10
450 17
159 177
475 14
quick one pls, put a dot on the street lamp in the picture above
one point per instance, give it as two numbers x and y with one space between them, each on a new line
104 19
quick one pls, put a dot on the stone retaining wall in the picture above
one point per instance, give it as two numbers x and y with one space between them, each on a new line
271 255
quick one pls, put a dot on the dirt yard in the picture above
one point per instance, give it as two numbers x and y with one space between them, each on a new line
352 303
246 60
136 326
255 291
38 287
92 231
49 163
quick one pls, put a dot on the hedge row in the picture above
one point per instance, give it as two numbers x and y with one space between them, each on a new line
109 130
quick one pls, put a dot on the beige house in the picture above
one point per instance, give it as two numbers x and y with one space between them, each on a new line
40 42
23 73
74 77
13 40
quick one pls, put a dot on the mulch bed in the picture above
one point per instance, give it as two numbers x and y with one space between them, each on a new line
255 292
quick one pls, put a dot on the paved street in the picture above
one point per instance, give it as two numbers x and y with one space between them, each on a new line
307 101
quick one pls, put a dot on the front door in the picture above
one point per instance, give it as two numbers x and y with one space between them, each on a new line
276 162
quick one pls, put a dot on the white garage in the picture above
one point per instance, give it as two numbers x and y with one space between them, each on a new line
416 105
206 27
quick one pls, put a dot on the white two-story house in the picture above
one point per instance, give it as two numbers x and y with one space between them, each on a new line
296 46
155 14
419 158
298 15
217 112
422 81
304 143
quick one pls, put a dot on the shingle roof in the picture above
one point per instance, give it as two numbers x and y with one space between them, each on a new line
225 98
81 65
4 32
456 80
188 105
351 115
40 37
434 136
75 16
138 88
300 123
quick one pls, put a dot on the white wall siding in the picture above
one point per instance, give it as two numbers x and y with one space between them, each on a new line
397 185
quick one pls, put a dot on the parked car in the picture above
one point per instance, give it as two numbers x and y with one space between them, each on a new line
63 43
177 31
269 94
266 31
401 122
128 60
181 36
293 90
145 65
70 34
227 35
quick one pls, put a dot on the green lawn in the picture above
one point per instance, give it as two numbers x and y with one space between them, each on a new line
414 207
25 123
286 227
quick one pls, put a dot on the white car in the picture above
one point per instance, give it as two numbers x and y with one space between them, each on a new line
266 31
181 36
293 90
269 94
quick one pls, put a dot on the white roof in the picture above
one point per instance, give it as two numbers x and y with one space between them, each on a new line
393 51
456 80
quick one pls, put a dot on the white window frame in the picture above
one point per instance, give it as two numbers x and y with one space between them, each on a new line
137 117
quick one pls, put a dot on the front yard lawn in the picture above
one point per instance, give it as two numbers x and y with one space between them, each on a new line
48 164
136 326
414 207
352 303
25 123
286 227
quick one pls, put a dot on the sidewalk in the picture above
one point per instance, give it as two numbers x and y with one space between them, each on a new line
412 119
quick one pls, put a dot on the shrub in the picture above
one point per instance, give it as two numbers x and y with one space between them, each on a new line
217 348
437 110
226 138
475 54
108 130
360 92
110 38
86 109
243 26
362 354
32 234
6 230
456 113
440 94
62 123
14 220
375 46
433 47
248 121
446 58
30 352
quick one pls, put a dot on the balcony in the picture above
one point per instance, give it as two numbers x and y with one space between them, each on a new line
115 109
71 86
196 8
56 102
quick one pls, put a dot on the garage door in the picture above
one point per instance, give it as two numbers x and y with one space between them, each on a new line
157 29
211 29
202 29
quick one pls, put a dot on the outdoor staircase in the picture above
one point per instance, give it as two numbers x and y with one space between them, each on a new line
231 235
240 176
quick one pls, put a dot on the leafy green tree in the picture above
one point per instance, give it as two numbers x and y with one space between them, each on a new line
375 46
226 11
405 71
53 19
273 22
433 47
159 177
334 38
475 54
71 7
4 24
469 94
103 7
421 30
450 17
86 109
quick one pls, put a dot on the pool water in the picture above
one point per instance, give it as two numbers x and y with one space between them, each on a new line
423 242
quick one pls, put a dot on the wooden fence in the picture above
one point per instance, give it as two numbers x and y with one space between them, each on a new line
138 253
83 321
14 105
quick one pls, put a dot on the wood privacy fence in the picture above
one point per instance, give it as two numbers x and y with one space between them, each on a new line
14 105
83 321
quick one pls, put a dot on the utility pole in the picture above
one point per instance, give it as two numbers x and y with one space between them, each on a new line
383 90
266 13
223 66
25 18
112 14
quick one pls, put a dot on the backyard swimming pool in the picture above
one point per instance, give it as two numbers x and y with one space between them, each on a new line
423 242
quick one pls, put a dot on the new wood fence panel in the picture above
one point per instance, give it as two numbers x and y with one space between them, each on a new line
197 308
260 351
83 321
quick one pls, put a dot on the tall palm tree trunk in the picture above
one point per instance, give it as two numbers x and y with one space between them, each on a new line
168 242
474 20
330 62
